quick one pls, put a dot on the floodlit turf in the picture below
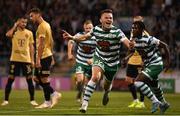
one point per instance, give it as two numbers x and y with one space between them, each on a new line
19 104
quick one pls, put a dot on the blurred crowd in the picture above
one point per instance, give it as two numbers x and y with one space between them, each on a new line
162 18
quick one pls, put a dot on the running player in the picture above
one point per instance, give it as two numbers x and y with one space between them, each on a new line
106 57
44 57
22 57
149 49
84 56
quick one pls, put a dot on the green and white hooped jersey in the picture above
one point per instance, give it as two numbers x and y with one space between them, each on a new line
147 46
85 50
108 44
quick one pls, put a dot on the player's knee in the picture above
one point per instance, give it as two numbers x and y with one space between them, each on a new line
95 78
79 78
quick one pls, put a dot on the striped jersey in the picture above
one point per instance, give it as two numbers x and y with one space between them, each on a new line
85 49
108 44
147 46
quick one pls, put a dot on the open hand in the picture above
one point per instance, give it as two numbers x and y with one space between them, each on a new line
66 35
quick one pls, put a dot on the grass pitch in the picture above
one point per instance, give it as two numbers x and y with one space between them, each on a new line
19 104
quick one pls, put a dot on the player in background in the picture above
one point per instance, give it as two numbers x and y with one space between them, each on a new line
22 57
44 57
106 56
85 50
149 48
134 66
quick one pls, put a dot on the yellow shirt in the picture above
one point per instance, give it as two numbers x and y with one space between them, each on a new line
20 46
44 30
136 59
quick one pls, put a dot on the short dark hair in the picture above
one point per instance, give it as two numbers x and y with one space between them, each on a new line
35 10
140 24
22 17
106 11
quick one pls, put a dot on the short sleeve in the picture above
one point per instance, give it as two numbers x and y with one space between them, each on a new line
121 35
41 32
153 41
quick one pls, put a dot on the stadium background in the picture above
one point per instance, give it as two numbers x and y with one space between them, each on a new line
162 18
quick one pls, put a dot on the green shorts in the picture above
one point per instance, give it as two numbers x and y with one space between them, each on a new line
109 72
86 70
153 71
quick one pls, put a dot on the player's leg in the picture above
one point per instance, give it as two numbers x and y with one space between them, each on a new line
131 73
158 91
142 81
27 72
107 88
44 79
87 76
37 79
109 77
79 85
159 94
79 80
141 101
13 71
8 90
96 75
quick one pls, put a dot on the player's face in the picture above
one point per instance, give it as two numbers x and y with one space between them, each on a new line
136 30
106 20
23 23
88 27
33 17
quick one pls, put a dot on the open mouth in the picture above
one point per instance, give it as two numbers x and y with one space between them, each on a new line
108 23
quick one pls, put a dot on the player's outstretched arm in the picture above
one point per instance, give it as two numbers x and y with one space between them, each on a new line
167 53
66 35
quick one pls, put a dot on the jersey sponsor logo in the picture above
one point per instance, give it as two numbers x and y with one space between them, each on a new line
104 45
20 52
87 49
21 42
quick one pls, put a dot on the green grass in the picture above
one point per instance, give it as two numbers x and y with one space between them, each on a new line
19 104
